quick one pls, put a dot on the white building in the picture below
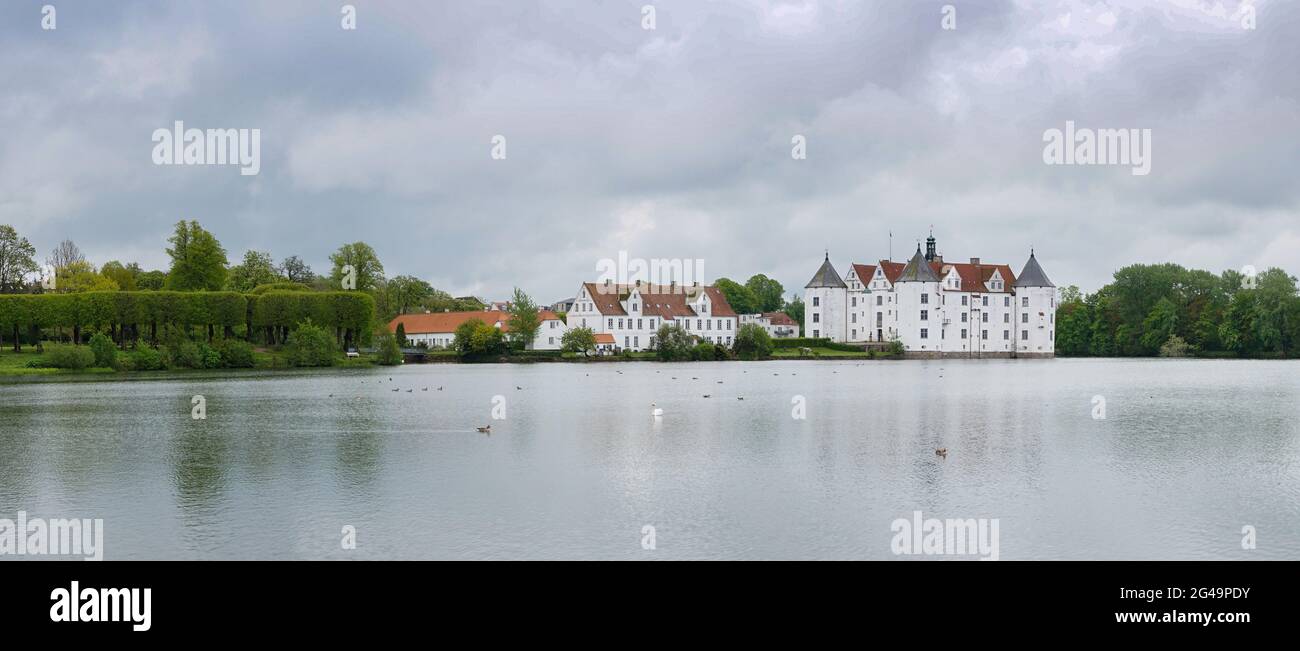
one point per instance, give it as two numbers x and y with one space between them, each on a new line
778 325
438 329
632 313
936 308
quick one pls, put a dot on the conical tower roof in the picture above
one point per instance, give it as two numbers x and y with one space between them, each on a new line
826 276
1032 275
917 270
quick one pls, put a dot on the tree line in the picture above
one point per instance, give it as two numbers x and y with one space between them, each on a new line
1168 310
129 317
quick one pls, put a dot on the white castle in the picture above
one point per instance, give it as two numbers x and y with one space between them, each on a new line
936 308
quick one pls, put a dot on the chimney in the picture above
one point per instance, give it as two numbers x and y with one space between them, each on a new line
975 261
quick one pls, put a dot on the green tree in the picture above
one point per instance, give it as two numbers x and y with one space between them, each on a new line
406 293
753 342
401 334
80 276
768 294
475 338
578 340
124 276
365 268
794 310
198 260
310 345
17 260
673 343
257 269
104 351
295 270
151 280
742 300
390 352
525 319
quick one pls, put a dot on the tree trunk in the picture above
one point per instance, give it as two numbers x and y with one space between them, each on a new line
18 342
76 335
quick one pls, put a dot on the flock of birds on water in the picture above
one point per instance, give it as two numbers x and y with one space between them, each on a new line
656 411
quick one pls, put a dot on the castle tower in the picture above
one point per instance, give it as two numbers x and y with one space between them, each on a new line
1035 317
918 308
825 298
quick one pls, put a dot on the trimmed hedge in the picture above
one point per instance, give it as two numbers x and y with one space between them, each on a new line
801 342
131 315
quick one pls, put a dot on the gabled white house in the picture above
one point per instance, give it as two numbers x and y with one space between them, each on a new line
632 313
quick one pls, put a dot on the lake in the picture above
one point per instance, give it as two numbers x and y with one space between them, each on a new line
1188 453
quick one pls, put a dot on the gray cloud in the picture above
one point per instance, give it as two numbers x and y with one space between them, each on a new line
666 143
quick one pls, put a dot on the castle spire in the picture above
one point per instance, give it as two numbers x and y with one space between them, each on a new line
929 246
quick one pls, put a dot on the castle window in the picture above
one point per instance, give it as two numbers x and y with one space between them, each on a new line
1024 335
984 301
984 317
855 301
925 315
963 333
816 301
878 299
817 318
1006 301
984 334
925 299
1006 317
1024 317
1024 301
963 318
925 333
963 301
1006 334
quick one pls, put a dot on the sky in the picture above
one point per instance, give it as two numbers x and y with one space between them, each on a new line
666 143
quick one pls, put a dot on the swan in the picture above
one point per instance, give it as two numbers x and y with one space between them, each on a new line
657 412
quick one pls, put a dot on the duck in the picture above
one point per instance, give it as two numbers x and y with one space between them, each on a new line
740 397
486 429
657 412
440 388
519 388
425 389
409 390
943 452
706 395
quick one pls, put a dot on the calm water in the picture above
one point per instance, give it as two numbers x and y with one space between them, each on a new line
1189 452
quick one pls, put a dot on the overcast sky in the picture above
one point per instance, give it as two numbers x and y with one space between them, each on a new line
666 143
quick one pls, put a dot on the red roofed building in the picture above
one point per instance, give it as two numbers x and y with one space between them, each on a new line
632 313
778 325
438 329
935 307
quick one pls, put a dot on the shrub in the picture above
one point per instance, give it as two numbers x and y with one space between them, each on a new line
390 354
895 347
673 343
103 350
235 353
578 340
1175 346
69 357
702 352
309 345
475 339
145 358
753 342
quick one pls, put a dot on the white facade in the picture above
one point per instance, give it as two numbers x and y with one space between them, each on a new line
438 329
933 307
632 314
781 329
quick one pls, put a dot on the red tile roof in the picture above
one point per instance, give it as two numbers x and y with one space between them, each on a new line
780 318
865 272
973 277
447 322
665 301
604 338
